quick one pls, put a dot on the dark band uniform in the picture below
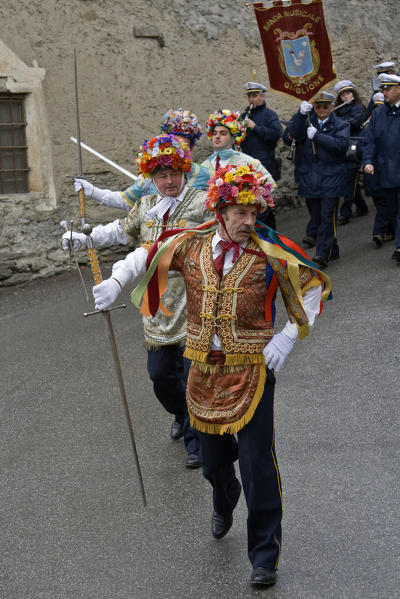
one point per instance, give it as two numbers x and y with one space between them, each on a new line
354 114
382 149
320 181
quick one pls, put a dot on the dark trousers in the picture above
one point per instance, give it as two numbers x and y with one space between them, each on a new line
352 194
255 449
385 217
392 203
322 225
168 370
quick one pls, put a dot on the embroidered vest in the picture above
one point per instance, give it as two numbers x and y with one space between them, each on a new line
233 304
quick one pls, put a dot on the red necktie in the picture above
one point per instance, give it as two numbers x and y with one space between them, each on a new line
217 163
220 260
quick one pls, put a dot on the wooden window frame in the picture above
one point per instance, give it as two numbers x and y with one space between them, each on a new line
20 183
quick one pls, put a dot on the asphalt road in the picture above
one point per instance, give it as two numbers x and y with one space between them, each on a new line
72 521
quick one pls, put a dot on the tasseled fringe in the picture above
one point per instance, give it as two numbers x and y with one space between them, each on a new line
213 368
200 357
233 427
231 359
195 354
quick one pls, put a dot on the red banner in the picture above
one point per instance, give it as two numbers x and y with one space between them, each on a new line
296 47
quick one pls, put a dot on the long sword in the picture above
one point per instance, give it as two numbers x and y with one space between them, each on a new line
105 159
94 263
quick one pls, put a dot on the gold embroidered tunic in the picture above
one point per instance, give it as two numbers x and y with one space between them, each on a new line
222 397
190 212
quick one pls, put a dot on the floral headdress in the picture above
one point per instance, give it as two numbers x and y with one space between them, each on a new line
163 150
182 122
232 120
238 184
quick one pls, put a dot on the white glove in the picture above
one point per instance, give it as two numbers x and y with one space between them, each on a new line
78 239
311 131
305 107
107 235
113 199
106 293
277 350
85 185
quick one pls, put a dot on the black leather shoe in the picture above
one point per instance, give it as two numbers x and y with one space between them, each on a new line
396 255
263 576
192 460
220 525
378 240
309 241
176 430
320 261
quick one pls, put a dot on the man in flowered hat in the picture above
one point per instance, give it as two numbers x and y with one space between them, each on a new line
227 130
231 277
165 161
181 123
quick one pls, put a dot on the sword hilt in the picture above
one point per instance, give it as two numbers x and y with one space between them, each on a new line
94 262
81 195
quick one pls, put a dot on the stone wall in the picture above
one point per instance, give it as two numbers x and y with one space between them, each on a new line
127 83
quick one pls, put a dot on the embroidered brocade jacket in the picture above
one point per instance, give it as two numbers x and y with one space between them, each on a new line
235 304
164 330
223 396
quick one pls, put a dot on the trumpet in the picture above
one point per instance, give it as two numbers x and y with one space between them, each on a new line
292 151
247 112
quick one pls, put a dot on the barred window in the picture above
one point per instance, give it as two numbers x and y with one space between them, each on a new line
13 149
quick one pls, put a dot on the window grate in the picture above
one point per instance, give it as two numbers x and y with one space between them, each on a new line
14 168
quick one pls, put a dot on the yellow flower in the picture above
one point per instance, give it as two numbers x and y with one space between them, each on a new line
226 112
167 151
242 170
246 197
228 177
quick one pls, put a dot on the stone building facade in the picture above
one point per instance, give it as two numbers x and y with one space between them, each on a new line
136 59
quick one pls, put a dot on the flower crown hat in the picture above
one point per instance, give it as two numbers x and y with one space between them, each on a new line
163 151
182 122
238 184
231 120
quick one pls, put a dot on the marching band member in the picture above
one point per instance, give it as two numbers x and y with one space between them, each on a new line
321 140
381 151
263 127
355 114
383 67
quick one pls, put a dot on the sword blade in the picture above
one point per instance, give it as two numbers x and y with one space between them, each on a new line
114 349
105 159
78 131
